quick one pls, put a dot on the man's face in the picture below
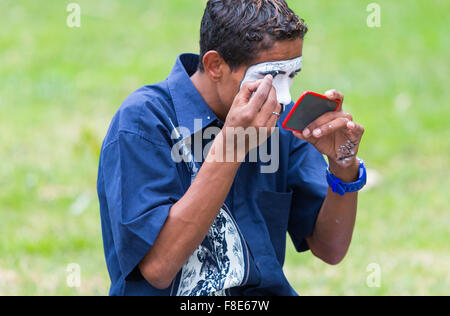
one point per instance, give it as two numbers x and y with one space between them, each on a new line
284 59
283 72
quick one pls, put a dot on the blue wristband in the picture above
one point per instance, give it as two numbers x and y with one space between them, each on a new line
341 188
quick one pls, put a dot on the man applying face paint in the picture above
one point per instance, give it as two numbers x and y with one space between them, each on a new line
283 72
219 228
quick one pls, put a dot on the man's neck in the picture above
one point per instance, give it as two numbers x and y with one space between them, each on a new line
207 90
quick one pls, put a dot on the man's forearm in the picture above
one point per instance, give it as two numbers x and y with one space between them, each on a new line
333 232
190 219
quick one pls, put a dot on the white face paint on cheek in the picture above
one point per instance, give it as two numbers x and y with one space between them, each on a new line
282 82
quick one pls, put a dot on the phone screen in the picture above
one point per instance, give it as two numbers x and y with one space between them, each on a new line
310 108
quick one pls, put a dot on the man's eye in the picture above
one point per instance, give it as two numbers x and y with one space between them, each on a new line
294 75
274 73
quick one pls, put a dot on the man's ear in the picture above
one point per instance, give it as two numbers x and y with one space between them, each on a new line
214 65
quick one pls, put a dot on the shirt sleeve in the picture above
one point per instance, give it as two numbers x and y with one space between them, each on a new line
307 180
141 184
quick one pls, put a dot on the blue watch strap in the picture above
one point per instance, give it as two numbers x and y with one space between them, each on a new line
340 187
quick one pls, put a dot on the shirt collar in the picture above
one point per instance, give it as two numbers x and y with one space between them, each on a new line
188 103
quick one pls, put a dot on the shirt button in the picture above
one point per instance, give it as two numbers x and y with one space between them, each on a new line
209 117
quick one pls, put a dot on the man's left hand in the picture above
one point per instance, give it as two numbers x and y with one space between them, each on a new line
335 135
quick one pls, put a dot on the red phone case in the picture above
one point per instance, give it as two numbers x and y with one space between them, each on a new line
298 103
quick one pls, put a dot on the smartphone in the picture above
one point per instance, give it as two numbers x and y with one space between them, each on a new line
308 108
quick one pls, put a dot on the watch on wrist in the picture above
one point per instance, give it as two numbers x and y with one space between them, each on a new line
341 188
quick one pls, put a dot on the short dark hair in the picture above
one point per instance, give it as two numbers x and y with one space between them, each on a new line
239 29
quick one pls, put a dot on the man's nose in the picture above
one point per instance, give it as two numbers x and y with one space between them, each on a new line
284 98
283 92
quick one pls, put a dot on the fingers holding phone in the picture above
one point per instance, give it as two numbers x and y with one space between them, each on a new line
309 108
335 95
323 124
326 124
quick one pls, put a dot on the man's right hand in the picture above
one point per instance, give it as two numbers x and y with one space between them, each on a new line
251 117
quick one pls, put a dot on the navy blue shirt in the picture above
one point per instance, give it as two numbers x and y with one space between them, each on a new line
140 179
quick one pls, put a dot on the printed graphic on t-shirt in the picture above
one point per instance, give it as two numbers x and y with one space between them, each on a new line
218 263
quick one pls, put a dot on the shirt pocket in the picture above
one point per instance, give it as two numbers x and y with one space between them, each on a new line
275 208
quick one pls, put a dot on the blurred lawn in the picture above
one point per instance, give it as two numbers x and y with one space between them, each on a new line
60 86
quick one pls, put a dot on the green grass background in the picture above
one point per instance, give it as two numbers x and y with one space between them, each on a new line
60 86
